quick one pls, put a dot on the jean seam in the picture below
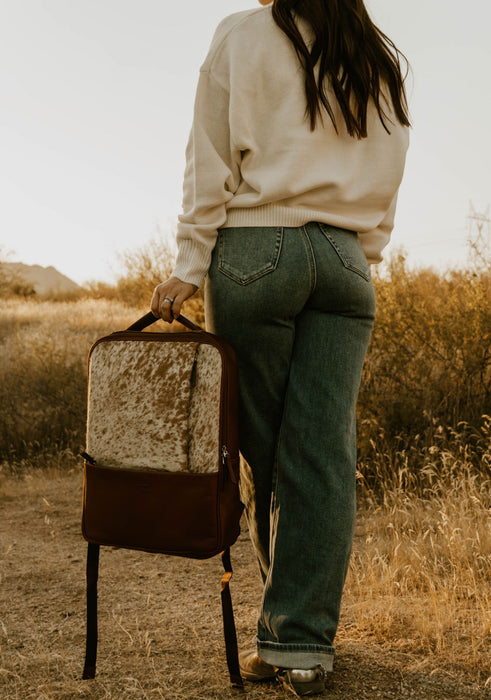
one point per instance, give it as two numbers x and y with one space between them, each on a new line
289 646
275 477
346 262
311 258
274 491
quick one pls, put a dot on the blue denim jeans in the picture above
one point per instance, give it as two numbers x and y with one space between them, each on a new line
298 305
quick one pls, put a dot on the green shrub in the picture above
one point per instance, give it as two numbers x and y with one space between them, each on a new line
428 369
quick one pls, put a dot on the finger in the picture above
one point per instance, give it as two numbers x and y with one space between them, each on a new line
159 293
178 302
176 307
166 309
182 296
155 303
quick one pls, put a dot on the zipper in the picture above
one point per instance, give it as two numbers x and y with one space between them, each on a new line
227 463
224 456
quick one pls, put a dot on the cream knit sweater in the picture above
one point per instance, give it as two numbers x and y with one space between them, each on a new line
252 160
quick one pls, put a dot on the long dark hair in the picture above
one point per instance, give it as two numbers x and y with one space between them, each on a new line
355 56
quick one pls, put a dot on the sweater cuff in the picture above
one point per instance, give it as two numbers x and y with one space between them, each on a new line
192 262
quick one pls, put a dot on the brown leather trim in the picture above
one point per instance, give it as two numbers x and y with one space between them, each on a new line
181 514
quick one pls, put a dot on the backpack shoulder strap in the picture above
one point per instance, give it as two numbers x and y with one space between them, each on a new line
91 638
229 623
227 613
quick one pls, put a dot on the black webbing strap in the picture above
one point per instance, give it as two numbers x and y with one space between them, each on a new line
227 613
91 639
229 624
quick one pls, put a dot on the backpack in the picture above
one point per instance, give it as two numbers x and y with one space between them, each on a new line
161 467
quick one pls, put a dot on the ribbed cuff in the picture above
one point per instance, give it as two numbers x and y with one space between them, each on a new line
192 262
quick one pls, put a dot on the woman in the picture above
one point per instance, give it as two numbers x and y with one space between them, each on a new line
294 161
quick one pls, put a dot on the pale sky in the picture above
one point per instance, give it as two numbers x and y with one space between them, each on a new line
96 102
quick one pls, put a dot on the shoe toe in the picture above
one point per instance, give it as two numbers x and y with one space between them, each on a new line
304 682
253 668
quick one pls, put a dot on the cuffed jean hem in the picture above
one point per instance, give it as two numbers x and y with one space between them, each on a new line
302 656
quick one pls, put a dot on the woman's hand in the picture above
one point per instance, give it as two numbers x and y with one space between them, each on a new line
169 296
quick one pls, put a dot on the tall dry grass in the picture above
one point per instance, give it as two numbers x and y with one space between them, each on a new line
420 576
427 378
43 350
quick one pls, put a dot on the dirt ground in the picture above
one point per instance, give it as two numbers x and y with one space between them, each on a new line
160 632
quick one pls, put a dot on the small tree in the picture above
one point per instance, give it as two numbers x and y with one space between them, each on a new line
12 283
144 269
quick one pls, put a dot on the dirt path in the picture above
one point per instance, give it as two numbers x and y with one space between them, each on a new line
159 627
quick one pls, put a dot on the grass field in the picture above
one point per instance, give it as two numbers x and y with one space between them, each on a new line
417 609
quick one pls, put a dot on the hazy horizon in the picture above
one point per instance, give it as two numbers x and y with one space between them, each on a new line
97 104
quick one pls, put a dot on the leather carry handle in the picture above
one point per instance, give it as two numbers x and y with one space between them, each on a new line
149 318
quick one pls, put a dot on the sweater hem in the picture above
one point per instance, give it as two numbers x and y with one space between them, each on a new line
277 215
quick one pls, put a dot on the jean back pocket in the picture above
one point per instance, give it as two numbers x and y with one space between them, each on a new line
349 249
246 253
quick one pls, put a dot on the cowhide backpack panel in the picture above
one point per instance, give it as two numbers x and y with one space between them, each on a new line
154 405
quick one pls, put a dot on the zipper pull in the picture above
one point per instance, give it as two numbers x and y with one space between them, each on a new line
226 462
224 455
88 458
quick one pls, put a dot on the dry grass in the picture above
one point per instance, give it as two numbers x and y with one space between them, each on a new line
421 578
428 368
160 629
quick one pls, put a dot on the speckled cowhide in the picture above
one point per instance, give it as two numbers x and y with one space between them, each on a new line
155 406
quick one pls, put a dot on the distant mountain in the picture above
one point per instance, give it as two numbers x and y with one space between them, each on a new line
43 279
